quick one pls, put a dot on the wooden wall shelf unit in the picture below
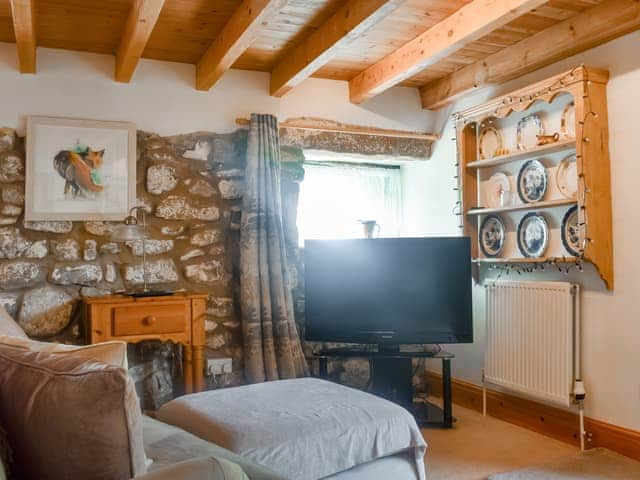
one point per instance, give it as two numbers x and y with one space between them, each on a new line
581 91
177 318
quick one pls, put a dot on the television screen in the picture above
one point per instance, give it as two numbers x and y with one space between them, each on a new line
389 290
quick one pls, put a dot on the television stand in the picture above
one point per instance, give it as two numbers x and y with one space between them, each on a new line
391 378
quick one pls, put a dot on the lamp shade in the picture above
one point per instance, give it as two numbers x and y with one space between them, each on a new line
128 233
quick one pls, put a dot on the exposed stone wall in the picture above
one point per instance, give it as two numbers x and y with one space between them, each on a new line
191 186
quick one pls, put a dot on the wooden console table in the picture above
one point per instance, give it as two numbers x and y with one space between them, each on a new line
177 318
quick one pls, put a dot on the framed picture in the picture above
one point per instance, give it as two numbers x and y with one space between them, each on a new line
79 169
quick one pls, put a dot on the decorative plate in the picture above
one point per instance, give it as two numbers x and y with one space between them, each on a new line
528 130
567 177
568 121
489 142
532 181
570 231
492 236
533 235
493 188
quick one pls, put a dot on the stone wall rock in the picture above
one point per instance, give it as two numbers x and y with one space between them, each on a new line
11 302
231 189
46 311
13 194
84 274
200 188
205 238
157 272
7 139
210 271
20 274
11 167
100 229
161 178
46 267
68 249
179 208
46 226
13 245
110 248
90 250
151 246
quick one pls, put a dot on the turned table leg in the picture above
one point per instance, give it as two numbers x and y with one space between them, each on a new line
187 368
198 368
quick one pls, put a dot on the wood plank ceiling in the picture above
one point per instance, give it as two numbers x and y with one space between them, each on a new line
415 43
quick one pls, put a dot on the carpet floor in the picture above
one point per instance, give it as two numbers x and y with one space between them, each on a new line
594 464
480 446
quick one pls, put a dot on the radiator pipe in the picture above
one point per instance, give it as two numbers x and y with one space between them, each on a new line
579 391
582 431
577 336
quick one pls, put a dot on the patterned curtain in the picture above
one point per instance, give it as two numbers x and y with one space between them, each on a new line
272 348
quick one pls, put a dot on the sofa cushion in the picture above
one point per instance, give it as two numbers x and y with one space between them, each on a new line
167 445
5 454
209 468
112 353
8 325
69 417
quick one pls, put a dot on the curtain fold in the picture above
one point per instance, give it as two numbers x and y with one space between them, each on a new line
272 348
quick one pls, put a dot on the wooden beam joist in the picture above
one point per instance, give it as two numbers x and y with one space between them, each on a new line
323 125
237 35
23 13
469 23
142 18
609 20
348 23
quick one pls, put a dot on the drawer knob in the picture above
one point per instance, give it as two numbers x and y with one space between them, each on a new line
150 320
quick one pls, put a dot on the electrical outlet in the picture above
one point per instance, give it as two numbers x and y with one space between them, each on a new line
218 366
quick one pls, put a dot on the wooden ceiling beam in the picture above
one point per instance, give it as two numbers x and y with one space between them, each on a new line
142 18
609 20
469 23
237 35
348 23
23 13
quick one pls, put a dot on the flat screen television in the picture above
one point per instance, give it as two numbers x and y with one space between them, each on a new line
389 290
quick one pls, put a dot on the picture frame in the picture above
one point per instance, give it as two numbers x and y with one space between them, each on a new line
78 169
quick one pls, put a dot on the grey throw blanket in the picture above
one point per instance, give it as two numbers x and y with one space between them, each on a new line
303 429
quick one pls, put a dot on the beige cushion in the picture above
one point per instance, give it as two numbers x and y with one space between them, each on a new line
8 325
113 352
69 417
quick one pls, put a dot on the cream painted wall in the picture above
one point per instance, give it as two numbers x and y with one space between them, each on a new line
426 189
611 320
162 98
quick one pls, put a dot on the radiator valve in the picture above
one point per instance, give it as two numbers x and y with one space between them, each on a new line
578 390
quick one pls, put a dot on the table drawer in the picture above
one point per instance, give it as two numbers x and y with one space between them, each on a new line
149 319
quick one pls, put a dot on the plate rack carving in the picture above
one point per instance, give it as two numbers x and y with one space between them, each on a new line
550 141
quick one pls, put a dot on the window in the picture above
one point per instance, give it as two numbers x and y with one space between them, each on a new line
335 196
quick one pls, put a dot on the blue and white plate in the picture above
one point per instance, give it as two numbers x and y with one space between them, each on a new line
532 182
533 235
492 236
571 231
528 130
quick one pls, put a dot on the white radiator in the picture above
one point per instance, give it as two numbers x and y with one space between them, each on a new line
531 332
